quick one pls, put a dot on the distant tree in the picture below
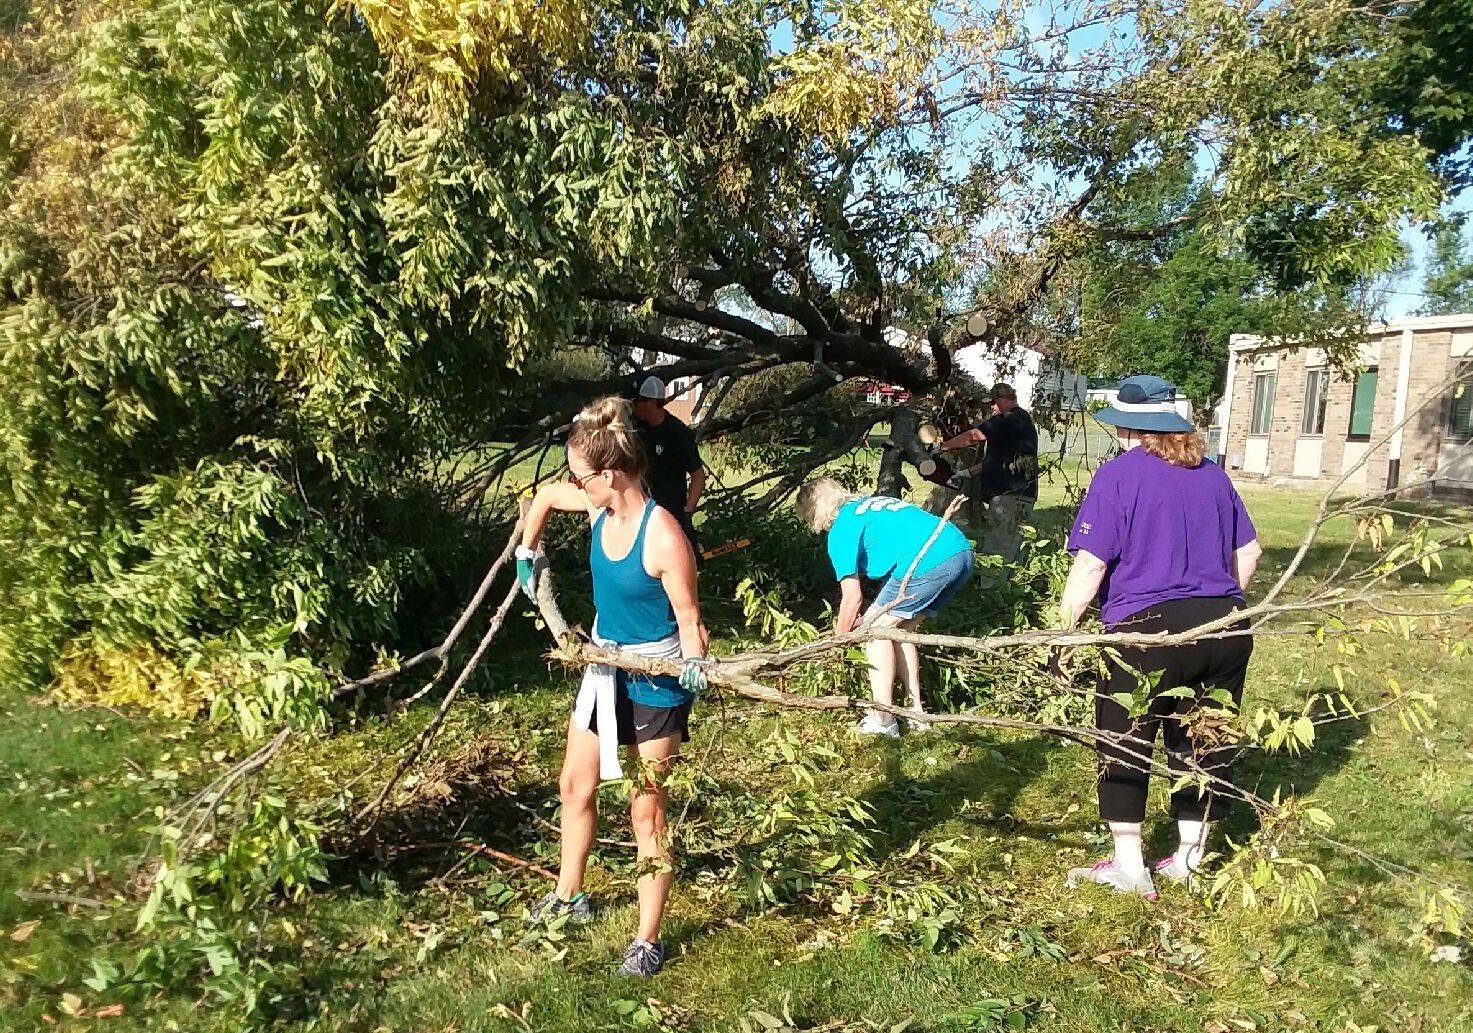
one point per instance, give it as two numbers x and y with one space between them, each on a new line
1177 320
1449 283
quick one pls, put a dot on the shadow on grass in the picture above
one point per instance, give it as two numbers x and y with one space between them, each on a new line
987 782
472 796
1319 561
1265 774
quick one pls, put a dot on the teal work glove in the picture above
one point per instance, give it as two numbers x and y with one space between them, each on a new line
693 676
528 567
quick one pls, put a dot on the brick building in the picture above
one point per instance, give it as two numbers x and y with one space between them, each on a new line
1293 419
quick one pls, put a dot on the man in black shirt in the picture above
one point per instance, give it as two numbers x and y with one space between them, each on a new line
1008 474
670 449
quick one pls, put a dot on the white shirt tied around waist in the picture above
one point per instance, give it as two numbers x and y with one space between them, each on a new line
599 691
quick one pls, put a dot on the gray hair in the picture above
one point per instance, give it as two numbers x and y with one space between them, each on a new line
820 500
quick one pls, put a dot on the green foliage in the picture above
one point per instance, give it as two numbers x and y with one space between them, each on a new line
1014 598
786 560
215 430
206 920
270 688
1170 311
803 839
1424 78
1015 1012
1261 872
764 613
214 883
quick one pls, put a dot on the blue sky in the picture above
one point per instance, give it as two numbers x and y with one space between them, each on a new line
1408 295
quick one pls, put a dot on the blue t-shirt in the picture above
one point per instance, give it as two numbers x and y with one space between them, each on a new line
879 537
1164 532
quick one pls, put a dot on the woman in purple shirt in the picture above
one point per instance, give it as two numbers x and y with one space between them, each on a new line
1164 541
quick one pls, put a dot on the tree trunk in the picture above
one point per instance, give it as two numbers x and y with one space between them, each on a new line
904 447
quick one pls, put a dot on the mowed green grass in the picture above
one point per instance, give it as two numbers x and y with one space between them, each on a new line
422 941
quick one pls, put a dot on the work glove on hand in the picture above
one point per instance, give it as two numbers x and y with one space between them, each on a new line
529 566
693 676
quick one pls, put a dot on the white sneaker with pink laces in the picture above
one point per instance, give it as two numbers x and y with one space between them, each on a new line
1108 873
1175 869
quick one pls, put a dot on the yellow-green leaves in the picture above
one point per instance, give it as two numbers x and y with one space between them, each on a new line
857 69
451 46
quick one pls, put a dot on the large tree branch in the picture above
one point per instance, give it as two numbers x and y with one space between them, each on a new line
713 346
700 313
792 476
813 387
760 285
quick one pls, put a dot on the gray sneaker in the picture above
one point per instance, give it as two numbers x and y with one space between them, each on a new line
579 910
1107 873
643 959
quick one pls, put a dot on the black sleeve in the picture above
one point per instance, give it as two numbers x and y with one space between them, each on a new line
692 454
995 428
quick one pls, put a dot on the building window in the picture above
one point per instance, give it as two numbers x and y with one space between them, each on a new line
1263 402
1460 406
1363 405
1316 394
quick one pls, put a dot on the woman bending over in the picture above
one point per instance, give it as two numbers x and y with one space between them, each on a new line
883 538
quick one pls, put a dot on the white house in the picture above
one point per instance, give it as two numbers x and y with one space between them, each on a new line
1040 382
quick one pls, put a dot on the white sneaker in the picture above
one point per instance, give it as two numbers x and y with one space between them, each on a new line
1108 873
875 724
1175 869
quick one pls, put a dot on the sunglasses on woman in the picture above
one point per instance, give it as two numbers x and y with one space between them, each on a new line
578 482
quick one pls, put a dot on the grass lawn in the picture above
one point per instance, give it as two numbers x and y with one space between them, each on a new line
422 938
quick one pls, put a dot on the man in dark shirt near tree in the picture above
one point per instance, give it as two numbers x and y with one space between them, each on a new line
670 449
1008 473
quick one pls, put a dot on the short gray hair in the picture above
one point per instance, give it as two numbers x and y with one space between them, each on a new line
820 500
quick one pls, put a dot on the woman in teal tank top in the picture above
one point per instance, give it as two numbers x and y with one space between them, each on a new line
893 541
644 594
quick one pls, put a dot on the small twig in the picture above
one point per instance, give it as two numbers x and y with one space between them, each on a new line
60 898
442 651
481 848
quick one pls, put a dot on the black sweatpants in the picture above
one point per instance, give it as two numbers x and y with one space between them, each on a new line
1217 663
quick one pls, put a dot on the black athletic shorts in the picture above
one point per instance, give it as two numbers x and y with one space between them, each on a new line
638 723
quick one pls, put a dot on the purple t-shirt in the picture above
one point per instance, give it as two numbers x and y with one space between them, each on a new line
1164 532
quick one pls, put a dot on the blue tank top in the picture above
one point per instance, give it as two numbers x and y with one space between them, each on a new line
632 608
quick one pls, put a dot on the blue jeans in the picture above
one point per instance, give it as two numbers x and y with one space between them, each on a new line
927 593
